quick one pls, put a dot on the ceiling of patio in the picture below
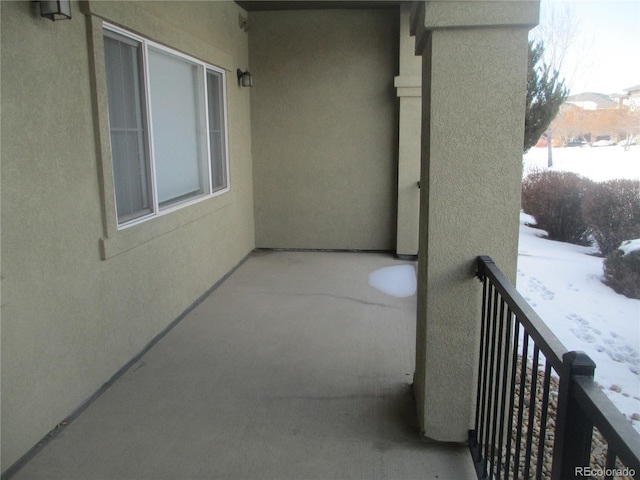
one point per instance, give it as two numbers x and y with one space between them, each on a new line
313 5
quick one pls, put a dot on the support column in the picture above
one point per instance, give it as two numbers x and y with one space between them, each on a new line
409 90
473 97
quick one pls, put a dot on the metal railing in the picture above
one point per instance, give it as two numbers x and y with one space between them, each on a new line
539 413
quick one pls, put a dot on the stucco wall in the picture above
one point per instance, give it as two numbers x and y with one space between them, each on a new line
324 128
71 319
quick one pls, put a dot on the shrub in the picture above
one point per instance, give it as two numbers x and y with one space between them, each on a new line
555 200
612 211
622 272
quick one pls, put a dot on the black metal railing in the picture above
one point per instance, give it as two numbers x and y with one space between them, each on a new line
539 413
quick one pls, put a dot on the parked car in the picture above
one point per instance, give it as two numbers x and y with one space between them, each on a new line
603 143
575 142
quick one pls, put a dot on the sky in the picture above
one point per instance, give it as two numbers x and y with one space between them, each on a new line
602 54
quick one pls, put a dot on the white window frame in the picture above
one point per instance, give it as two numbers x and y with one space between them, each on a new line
157 210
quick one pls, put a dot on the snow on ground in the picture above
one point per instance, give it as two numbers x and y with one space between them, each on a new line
397 281
630 246
562 282
597 163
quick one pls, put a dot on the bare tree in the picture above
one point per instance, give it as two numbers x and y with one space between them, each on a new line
566 42
565 50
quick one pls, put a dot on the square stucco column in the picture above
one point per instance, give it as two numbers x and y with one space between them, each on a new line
473 97
409 90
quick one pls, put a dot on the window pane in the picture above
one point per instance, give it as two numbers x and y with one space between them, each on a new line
177 110
216 130
126 123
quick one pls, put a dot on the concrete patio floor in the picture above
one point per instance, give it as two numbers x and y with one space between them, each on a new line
293 368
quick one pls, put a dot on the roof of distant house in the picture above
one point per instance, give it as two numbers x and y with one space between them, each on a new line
632 89
598 100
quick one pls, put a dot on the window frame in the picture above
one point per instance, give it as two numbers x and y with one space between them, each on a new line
204 68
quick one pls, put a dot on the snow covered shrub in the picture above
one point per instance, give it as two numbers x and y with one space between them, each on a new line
555 200
612 211
622 272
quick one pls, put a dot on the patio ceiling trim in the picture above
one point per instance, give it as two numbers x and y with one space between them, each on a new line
253 6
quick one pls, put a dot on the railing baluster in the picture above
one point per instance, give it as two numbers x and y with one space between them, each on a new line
512 392
543 420
523 381
496 389
483 336
610 463
487 353
532 405
503 397
483 407
485 361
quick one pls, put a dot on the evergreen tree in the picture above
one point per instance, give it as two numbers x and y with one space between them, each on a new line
545 93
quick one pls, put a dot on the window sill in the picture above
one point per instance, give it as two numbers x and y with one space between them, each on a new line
122 240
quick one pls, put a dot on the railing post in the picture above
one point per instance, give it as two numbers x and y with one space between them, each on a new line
480 268
572 447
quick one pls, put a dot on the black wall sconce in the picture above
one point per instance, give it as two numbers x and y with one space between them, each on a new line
245 79
55 9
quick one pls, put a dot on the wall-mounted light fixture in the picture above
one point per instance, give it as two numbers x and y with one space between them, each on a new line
245 79
55 9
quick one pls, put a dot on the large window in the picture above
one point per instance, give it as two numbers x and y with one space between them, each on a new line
168 126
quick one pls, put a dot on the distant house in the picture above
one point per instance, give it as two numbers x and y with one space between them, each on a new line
633 97
596 116
592 101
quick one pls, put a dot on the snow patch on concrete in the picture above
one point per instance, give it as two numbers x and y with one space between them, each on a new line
397 281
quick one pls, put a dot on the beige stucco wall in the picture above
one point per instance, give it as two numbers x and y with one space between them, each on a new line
71 319
474 77
324 128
